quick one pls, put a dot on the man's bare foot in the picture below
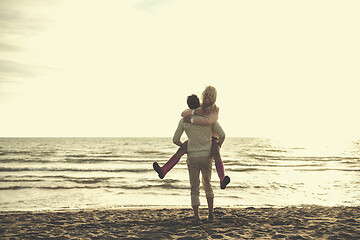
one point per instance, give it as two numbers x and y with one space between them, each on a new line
197 221
211 217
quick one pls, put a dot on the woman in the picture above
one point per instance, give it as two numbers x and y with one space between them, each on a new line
207 114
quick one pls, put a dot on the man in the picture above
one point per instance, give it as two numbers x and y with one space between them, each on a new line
199 157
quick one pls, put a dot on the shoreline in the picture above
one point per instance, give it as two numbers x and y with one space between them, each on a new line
293 222
159 207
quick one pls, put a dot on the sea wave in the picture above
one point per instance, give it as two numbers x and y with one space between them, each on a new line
246 169
76 160
24 160
15 152
165 186
81 180
328 169
21 180
14 188
265 157
103 155
149 151
44 169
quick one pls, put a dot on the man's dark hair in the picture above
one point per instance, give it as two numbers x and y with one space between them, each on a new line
193 102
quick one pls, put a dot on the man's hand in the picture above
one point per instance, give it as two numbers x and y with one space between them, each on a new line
187 119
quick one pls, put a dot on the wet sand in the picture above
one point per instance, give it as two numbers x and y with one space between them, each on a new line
308 222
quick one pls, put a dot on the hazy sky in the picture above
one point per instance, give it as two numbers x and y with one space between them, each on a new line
124 68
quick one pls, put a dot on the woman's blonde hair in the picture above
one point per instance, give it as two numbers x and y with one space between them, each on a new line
209 92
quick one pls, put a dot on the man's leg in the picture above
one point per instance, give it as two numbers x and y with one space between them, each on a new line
194 174
210 201
162 171
196 214
206 170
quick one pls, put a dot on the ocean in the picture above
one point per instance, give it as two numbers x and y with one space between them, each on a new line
94 173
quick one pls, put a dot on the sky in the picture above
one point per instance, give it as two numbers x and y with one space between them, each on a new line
107 68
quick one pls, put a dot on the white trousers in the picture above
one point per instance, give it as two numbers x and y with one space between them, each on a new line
195 166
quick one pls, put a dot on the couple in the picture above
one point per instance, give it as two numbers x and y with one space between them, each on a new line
205 137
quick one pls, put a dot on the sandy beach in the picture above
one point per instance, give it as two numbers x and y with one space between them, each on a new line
308 222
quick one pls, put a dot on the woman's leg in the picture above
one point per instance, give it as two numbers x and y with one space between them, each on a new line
215 151
162 171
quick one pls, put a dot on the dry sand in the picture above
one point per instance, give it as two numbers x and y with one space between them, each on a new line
310 222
